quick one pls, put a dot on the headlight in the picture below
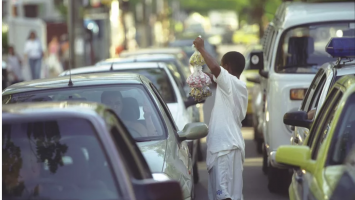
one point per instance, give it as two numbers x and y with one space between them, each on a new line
160 177
297 94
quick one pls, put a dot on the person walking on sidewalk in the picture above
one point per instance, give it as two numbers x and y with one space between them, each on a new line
225 143
14 66
34 54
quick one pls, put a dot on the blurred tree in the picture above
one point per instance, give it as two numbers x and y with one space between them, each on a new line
5 44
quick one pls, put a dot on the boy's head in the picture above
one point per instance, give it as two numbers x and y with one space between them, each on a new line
233 62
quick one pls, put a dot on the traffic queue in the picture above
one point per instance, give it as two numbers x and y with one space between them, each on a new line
127 127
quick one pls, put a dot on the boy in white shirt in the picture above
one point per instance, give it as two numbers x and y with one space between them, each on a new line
225 143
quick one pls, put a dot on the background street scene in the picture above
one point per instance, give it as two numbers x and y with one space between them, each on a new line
112 99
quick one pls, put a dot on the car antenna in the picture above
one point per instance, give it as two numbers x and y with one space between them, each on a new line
111 69
70 81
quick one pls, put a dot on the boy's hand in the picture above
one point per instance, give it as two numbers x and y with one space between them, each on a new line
199 43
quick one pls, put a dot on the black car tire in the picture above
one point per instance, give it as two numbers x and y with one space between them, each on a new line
279 180
259 145
265 167
195 173
199 151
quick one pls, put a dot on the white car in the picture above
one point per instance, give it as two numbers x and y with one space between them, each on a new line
169 86
293 51
317 93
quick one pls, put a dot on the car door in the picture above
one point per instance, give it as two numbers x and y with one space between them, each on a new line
178 158
303 180
309 103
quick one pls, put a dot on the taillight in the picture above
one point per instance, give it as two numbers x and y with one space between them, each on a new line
297 94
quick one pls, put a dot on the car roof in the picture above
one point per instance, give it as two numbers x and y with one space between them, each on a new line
54 109
296 13
344 69
77 80
140 58
169 50
347 81
115 66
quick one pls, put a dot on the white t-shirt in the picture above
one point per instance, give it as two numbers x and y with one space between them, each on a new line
33 49
14 66
229 110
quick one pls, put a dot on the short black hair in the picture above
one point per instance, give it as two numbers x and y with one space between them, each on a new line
235 61
107 94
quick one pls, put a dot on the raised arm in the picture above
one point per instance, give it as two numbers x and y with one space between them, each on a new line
210 61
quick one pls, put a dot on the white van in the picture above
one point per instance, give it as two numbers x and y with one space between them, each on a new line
293 51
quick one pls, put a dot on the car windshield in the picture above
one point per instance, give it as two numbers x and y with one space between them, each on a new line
302 49
345 136
55 159
160 80
130 102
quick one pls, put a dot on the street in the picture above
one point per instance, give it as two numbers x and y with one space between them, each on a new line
255 182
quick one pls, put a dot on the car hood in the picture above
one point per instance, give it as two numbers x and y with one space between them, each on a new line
154 154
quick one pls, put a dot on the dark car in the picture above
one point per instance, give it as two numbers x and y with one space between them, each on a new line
74 150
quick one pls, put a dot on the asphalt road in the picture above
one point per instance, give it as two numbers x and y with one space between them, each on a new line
254 181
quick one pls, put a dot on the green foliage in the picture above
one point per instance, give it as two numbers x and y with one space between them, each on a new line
207 5
5 44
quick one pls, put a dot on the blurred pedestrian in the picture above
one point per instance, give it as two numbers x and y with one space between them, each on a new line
64 51
34 54
14 66
53 61
225 143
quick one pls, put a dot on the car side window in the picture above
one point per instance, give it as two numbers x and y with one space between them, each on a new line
317 93
309 93
179 85
326 126
343 141
322 114
166 109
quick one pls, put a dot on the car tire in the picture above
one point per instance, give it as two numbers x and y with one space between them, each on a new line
259 145
199 151
265 167
279 180
195 173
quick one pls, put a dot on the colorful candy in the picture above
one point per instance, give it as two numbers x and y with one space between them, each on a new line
198 81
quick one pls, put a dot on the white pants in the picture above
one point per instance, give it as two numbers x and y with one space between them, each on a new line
226 177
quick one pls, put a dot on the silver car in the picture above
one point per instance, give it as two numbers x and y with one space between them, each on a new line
138 105
74 150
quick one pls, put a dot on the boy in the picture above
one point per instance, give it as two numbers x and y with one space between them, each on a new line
225 143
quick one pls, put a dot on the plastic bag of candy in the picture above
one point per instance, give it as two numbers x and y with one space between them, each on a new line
198 81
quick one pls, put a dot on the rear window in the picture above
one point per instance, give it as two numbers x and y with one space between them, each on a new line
54 159
130 102
161 81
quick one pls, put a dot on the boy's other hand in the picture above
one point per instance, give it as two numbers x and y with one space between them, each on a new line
199 43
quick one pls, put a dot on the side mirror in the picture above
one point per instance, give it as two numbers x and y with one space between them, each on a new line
257 62
150 189
193 131
191 102
254 79
299 156
297 118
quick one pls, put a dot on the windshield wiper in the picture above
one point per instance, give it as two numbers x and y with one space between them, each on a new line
299 66
142 139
